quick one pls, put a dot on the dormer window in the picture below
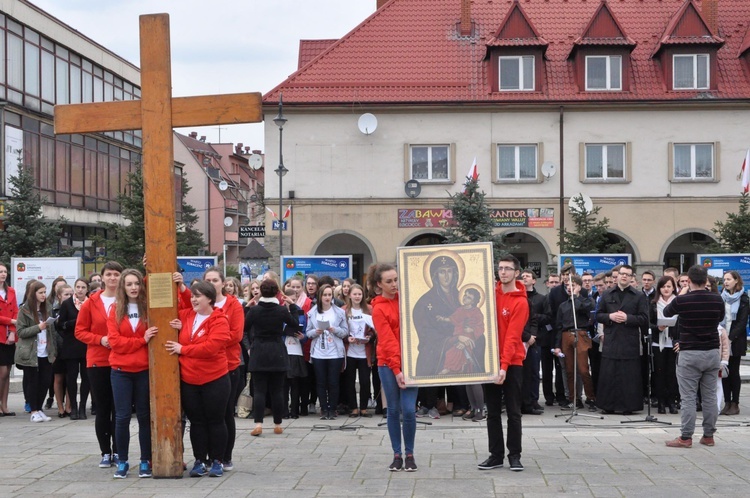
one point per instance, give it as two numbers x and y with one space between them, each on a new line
603 72
516 73
691 71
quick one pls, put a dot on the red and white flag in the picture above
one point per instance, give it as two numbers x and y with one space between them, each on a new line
745 173
287 213
271 211
473 172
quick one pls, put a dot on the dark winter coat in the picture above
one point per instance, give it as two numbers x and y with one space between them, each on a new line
266 325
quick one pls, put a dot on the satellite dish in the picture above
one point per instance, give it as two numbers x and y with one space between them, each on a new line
228 221
588 204
367 123
255 160
223 185
549 169
412 188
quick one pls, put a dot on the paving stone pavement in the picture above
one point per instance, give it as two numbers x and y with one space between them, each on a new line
586 457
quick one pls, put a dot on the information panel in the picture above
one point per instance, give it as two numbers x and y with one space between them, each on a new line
334 266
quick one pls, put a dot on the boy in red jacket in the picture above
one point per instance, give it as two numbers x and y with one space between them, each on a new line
512 308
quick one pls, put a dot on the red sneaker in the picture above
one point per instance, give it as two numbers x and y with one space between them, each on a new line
678 442
707 440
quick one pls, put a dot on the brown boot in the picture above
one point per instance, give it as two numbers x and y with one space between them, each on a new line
734 409
726 407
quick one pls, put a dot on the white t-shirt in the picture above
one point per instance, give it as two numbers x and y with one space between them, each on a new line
108 302
222 303
325 347
41 342
357 324
133 315
199 319
3 293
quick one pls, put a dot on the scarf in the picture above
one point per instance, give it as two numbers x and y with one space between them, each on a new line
733 300
663 334
268 300
77 302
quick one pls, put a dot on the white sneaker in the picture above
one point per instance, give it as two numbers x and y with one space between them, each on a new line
37 417
45 417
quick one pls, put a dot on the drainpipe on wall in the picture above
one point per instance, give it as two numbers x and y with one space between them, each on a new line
562 175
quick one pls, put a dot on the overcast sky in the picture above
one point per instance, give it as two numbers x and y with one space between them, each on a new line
218 46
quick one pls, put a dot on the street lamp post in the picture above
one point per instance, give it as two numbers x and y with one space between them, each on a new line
280 120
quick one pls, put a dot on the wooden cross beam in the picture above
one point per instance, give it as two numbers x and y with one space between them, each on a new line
156 114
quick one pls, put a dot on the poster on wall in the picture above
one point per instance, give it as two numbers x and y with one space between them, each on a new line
192 267
718 264
13 150
339 267
45 270
593 263
501 218
447 305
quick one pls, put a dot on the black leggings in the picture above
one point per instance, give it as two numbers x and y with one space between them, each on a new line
101 393
205 406
35 388
234 386
732 384
292 394
273 384
354 365
74 368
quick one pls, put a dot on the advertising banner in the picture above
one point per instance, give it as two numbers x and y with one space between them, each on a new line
501 218
718 264
593 263
334 266
45 270
192 267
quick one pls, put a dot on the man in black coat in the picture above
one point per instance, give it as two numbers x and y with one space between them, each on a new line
624 312
536 329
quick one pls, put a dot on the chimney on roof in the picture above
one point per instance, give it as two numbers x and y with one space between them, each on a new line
380 3
193 134
203 138
711 15
465 23
247 149
257 151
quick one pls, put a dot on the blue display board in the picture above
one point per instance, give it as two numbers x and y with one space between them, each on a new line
718 264
593 263
334 266
193 267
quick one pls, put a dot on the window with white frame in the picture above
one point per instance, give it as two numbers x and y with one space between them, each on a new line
693 161
604 72
429 162
517 162
690 72
605 162
517 73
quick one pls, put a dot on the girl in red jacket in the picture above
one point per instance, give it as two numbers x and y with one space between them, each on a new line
383 280
128 335
8 315
204 383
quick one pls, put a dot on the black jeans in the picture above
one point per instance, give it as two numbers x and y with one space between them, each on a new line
354 365
35 388
101 393
732 384
205 406
75 367
531 377
292 396
268 383
327 374
493 395
550 377
665 375
234 386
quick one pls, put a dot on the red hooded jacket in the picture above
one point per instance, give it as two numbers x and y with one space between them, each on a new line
385 317
129 349
512 314
204 356
91 326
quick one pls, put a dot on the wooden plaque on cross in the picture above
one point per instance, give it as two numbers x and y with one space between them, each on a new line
156 114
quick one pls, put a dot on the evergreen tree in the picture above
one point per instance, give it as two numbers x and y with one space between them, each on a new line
26 231
127 245
473 222
589 235
734 233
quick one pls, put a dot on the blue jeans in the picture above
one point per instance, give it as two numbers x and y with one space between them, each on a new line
401 402
328 376
129 388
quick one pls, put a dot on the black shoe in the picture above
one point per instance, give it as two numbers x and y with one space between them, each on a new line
672 409
550 402
579 403
661 409
492 462
537 406
566 406
532 411
397 464
48 404
82 413
409 464
515 463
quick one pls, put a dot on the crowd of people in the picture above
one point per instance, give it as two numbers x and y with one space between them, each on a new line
307 343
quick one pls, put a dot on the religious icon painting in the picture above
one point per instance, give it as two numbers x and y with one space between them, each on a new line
448 324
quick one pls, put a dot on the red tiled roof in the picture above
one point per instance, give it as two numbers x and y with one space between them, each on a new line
604 29
409 51
687 27
310 49
745 45
516 30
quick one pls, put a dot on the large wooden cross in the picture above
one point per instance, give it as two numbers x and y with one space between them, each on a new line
156 114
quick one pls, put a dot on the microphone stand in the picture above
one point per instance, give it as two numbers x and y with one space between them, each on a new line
574 394
649 417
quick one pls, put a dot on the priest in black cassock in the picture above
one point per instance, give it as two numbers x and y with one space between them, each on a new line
624 312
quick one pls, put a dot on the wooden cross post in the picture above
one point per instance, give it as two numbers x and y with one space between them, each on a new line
156 114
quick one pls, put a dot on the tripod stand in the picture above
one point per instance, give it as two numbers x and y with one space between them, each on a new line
575 331
649 417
